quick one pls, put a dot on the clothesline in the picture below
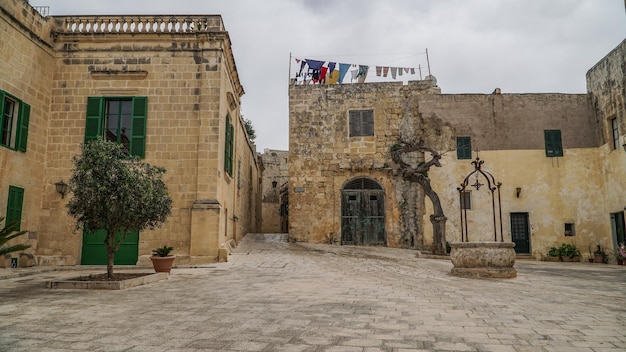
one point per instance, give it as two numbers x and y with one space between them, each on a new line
309 71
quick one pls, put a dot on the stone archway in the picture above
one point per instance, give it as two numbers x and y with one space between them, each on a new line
363 213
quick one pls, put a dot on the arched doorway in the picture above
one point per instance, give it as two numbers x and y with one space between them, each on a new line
363 213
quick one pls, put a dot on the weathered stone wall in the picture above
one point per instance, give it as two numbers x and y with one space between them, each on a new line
506 128
323 158
605 84
185 67
27 65
275 175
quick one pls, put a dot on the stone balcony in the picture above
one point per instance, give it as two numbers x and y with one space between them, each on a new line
138 24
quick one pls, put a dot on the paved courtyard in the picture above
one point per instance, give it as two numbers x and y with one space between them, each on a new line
278 296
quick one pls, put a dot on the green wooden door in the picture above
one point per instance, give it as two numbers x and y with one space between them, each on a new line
95 251
363 213
520 233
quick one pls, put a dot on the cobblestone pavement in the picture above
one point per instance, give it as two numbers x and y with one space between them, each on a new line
277 296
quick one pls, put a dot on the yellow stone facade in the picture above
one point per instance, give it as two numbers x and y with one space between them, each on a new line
574 198
185 67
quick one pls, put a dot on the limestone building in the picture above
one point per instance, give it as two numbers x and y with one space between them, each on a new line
164 86
275 176
560 158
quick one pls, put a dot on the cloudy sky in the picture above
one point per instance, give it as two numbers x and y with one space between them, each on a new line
474 46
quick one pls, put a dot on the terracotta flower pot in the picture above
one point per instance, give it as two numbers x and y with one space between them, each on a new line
163 264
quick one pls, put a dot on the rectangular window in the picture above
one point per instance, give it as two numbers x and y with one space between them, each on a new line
361 123
228 148
14 206
569 229
554 146
466 200
463 148
615 131
14 118
121 120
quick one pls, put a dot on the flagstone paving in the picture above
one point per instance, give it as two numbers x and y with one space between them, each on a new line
279 296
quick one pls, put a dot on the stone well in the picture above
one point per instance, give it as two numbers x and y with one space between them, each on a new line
483 259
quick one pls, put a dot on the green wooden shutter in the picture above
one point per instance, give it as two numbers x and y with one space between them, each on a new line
95 118
354 123
553 143
367 118
228 147
231 137
1 110
463 148
138 129
14 205
22 132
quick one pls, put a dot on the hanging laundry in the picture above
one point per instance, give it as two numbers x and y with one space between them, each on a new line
331 67
412 70
379 70
362 73
399 71
302 64
385 71
394 72
333 77
343 70
314 69
355 74
323 72
406 70
314 64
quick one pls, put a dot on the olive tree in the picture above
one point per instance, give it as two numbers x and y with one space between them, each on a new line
117 193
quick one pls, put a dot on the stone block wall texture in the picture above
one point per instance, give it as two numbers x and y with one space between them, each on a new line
275 169
506 129
605 84
191 83
27 67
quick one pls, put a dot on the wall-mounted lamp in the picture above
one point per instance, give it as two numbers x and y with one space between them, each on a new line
274 183
518 191
61 188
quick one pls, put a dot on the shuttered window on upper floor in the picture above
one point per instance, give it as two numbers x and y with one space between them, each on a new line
361 123
118 119
554 146
14 120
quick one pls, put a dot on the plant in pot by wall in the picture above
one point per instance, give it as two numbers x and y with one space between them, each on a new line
554 255
569 252
162 260
599 255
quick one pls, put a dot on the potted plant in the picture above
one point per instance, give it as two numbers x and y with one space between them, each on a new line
621 254
569 253
554 255
162 260
599 255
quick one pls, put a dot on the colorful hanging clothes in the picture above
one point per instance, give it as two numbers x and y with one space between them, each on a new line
343 70
331 67
323 72
362 73
394 72
385 71
406 70
354 74
333 77
379 70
